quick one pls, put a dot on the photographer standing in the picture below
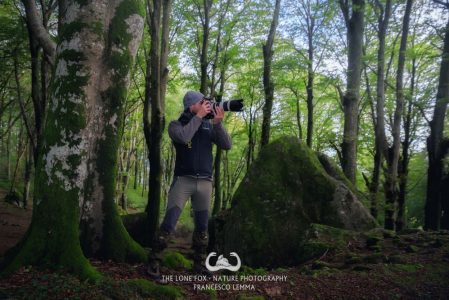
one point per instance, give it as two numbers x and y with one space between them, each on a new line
192 135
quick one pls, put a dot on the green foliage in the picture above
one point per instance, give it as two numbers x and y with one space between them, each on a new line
176 260
246 270
417 184
151 289
135 198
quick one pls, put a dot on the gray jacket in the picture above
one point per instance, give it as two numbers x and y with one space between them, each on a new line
193 138
184 134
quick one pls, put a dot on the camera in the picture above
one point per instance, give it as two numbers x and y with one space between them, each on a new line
230 105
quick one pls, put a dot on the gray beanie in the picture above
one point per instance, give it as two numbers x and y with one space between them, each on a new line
192 97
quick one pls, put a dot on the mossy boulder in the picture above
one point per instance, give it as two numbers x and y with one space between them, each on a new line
285 190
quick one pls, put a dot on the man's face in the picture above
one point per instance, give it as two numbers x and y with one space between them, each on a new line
194 108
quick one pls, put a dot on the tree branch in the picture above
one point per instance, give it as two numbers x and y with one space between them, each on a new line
34 21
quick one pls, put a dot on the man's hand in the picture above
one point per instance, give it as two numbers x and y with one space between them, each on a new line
204 109
218 115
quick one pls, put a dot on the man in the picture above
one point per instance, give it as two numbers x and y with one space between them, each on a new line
192 135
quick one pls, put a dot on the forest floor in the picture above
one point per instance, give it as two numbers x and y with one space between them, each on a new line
411 265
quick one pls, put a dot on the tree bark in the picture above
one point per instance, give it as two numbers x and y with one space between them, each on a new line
207 4
405 159
38 30
310 76
156 84
268 85
435 143
27 175
355 26
74 205
136 170
445 188
392 156
380 140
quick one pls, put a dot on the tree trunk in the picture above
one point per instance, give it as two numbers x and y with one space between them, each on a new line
207 4
20 150
268 85
136 170
380 140
144 168
75 179
298 118
392 156
445 189
310 77
355 28
126 168
251 136
35 95
404 162
36 26
217 164
8 143
156 83
27 175
435 145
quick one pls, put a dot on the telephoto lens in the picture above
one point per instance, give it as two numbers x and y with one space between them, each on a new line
230 105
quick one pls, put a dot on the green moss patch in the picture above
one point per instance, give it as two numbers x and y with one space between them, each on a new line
151 289
176 260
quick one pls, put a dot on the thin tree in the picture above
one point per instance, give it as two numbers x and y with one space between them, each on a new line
268 85
155 89
392 155
354 19
384 13
204 61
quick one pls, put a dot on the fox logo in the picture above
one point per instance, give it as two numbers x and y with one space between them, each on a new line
222 263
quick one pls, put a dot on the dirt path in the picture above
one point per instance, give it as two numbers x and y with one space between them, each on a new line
14 222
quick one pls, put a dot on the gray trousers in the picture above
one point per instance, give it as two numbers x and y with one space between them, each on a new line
183 188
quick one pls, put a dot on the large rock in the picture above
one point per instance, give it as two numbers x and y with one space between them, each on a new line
284 192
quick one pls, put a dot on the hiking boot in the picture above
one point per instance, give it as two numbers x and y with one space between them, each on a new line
199 245
155 256
153 268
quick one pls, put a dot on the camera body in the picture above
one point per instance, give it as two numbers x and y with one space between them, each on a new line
230 105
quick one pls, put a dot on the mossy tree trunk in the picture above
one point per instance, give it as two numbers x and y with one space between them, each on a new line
74 205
